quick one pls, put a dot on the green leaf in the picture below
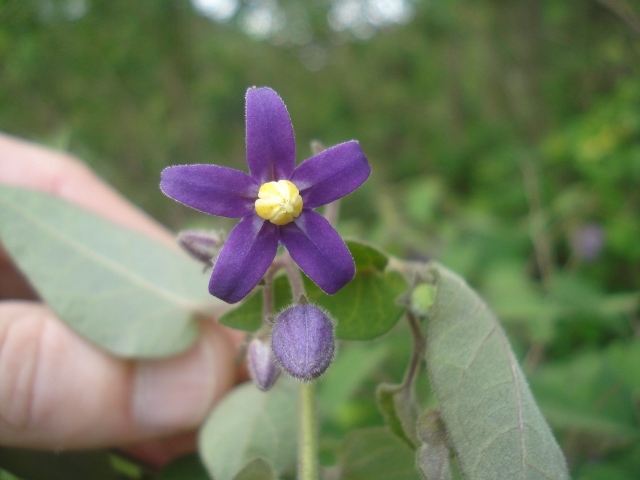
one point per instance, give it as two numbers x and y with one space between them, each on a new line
257 469
375 454
189 467
367 257
399 410
120 289
432 458
493 422
248 315
366 307
249 424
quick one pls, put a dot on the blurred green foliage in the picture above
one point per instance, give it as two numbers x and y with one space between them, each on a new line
504 139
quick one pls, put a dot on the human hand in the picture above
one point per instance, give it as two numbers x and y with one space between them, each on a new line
58 391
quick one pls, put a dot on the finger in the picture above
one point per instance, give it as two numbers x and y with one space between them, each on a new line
58 391
32 166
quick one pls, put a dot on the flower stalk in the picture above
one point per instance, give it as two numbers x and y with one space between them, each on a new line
295 279
308 433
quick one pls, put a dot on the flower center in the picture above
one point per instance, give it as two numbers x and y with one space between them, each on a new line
279 202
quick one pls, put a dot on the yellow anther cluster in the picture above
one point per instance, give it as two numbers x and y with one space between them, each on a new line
279 202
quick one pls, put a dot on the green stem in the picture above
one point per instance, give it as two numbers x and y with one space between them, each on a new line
308 439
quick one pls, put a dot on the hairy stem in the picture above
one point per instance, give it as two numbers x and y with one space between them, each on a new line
416 354
295 279
308 434
267 294
332 211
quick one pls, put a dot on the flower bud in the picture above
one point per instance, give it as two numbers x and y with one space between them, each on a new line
302 341
262 367
201 245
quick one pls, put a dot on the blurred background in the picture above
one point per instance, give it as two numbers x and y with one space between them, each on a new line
504 138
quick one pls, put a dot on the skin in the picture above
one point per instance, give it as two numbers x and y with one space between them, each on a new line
58 391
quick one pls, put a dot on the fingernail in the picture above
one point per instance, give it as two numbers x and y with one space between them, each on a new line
175 393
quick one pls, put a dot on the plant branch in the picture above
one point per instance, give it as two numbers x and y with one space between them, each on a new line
417 353
624 12
537 220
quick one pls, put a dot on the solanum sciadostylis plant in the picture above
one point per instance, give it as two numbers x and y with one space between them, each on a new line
479 421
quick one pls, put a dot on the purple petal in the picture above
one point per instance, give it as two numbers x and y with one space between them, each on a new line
319 251
244 259
211 189
331 174
271 148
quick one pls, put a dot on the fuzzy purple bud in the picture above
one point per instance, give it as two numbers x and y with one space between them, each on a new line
262 366
302 341
201 245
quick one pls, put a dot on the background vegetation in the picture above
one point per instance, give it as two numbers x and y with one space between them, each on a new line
504 138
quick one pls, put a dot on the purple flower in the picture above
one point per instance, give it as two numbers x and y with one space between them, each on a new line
275 202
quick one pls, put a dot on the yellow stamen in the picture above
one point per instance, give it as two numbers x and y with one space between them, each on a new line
279 202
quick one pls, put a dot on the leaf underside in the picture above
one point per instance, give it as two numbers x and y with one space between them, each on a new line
249 424
120 289
492 420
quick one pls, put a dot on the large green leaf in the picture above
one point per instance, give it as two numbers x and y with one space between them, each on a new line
250 424
492 420
120 289
375 454
366 307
